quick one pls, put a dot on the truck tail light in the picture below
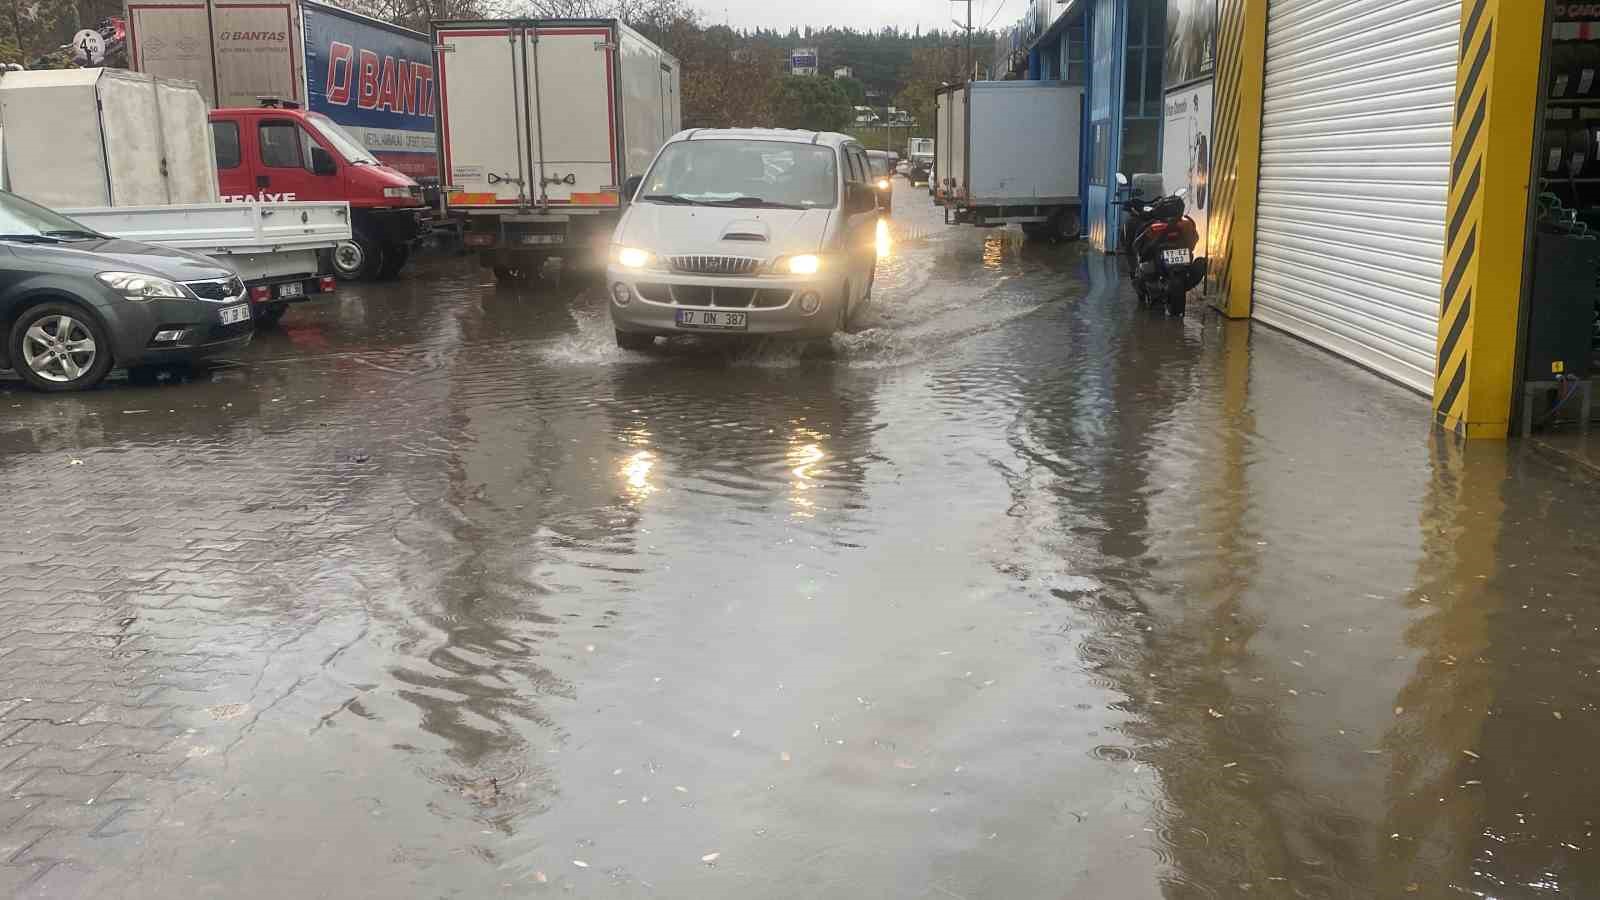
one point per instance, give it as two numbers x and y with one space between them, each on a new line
327 284
260 294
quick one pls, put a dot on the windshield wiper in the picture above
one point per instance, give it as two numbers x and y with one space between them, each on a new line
75 232
30 238
672 198
754 201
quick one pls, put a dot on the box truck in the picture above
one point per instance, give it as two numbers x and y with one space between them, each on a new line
541 124
1009 153
131 155
313 64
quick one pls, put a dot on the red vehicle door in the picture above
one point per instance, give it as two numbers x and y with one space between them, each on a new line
284 163
235 174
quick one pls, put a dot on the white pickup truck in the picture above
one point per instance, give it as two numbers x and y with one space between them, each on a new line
130 155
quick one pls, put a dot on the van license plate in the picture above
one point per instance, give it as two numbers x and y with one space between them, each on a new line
292 289
542 239
713 321
233 315
1175 257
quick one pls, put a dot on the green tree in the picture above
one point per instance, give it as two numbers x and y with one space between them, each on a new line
855 90
810 103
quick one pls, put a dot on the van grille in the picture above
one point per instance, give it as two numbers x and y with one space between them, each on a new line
714 265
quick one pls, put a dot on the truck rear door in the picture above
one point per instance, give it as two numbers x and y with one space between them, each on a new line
575 135
483 89
528 115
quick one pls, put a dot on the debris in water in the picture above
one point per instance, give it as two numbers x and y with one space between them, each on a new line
1399 710
904 764
1229 765
710 857
1471 754
738 731
1557 714
580 864
623 801
1213 713
75 462
589 647
680 789
540 877
616 771
785 756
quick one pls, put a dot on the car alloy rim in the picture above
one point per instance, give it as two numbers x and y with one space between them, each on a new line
58 348
348 256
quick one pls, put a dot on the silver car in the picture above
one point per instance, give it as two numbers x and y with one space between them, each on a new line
745 232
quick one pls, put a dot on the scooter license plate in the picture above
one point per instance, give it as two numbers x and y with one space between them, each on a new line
1175 257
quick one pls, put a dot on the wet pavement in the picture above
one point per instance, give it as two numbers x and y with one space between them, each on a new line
1020 591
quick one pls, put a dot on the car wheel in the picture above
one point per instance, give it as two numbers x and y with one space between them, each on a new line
629 340
359 258
841 324
269 315
60 347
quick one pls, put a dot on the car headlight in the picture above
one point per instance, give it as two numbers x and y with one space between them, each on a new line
632 257
397 193
883 184
805 264
142 287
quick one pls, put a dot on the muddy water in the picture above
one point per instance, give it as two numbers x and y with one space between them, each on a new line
1018 591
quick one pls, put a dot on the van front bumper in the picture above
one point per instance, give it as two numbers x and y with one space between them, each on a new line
772 305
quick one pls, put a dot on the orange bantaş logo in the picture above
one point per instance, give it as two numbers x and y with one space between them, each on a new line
252 36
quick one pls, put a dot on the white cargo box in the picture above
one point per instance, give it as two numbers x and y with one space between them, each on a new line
1015 143
106 137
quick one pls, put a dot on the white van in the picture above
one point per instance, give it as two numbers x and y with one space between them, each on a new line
745 231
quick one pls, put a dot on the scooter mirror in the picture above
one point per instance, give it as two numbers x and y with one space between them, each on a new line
1181 193
1122 179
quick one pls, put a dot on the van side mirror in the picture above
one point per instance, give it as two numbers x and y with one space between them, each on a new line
860 198
322 162
630 188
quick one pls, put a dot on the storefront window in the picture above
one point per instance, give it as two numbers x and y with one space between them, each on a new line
1141 87
1075 55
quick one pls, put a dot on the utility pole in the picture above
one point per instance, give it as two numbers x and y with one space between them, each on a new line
967 75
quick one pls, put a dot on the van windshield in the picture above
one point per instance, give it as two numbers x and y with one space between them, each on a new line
342 141
719 172
881 163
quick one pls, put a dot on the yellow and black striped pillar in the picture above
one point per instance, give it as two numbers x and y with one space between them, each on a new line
1491 164
1236 152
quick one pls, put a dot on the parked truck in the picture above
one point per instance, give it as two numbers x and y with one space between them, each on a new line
361 89
1009 154
542 124
130 155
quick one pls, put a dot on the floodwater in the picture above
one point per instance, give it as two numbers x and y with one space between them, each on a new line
1019 591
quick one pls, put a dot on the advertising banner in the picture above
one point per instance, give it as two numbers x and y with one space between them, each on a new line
1191 41
1186 151
378 82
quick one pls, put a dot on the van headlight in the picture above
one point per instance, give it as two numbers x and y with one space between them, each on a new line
632 257
883 184
804 264
142 287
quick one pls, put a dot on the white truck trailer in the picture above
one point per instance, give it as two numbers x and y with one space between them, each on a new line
130 155
541 125
1009 153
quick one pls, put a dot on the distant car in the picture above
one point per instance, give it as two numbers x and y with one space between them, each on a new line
75 303
882 163
903 167
745 231
921 171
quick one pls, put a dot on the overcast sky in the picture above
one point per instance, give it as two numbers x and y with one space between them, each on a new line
862 15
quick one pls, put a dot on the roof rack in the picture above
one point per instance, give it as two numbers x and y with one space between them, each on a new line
277 103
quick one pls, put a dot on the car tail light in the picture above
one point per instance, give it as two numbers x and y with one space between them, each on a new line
327 284
260 293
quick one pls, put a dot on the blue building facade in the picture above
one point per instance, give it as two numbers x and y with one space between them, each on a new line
1115 48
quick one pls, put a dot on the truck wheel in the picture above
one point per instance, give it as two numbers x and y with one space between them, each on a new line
1065 225
59 347
514 274
270 314
629 340
358 259
395 257
1035 231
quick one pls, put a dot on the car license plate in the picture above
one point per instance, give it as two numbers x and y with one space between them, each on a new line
1175 257
233 315
542 239
292 289
716 321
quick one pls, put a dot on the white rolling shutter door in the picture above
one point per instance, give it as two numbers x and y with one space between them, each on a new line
1355 167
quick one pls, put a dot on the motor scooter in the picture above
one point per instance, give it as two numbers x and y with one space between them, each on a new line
1158 242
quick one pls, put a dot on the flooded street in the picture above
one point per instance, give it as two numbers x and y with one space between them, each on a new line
1018 591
